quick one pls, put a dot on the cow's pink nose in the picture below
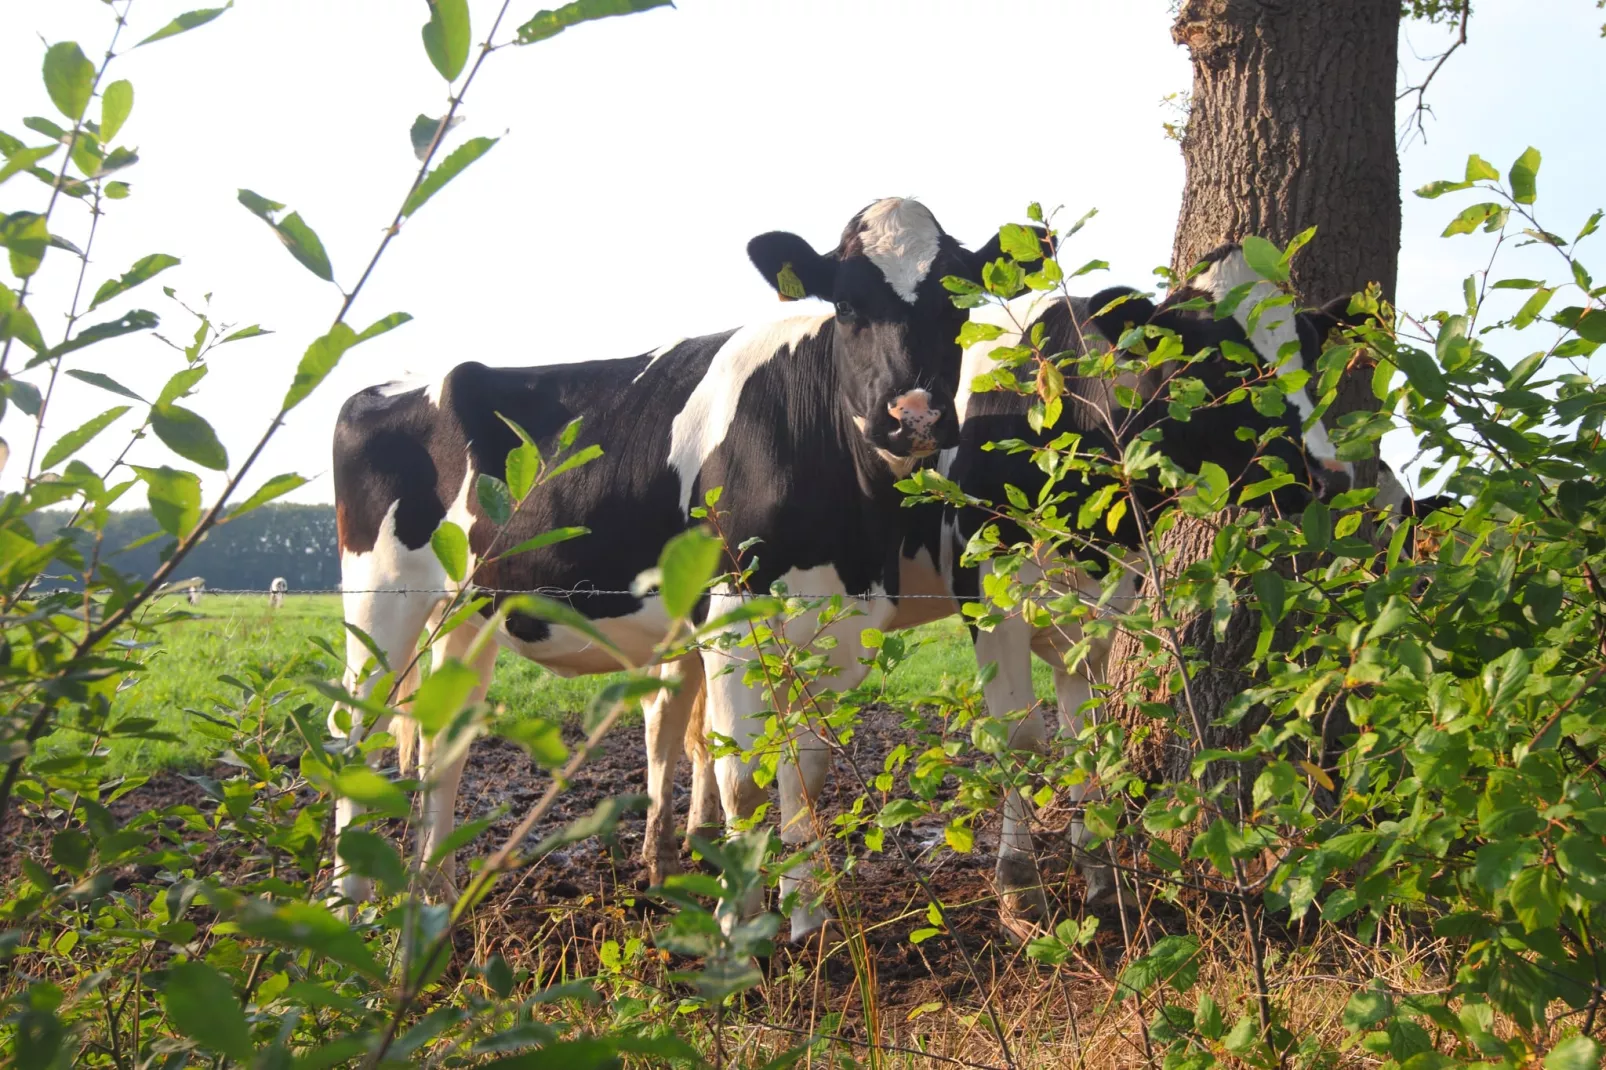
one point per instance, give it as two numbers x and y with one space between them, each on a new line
913 410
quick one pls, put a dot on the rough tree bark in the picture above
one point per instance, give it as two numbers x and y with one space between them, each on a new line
1291 125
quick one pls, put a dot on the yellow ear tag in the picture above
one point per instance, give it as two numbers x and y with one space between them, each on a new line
789 285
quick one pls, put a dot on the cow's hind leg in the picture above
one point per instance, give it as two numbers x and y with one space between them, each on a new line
438 814
668 716
1023 907
394 621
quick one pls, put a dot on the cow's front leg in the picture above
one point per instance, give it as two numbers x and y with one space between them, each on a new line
1022 905
438 804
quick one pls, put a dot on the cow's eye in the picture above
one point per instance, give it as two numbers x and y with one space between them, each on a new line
845 310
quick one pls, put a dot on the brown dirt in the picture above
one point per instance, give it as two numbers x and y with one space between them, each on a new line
553 916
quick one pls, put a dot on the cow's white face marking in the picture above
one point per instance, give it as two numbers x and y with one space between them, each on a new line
705 420
1274 330
901 237
652 358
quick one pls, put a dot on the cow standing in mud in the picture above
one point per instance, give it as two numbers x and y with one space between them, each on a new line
805 423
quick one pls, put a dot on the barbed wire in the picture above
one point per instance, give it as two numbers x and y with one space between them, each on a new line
545 592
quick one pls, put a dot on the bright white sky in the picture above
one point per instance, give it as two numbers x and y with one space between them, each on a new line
640 155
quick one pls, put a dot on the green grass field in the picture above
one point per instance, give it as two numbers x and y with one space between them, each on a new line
236 635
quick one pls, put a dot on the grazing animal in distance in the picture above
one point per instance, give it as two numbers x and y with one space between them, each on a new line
276 591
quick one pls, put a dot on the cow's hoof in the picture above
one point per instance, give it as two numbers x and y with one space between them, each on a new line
1022 905
660 867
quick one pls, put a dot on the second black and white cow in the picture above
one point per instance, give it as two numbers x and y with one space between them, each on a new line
805 423
1092 411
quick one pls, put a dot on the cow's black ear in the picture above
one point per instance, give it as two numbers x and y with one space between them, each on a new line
791 265
1117 308
993 248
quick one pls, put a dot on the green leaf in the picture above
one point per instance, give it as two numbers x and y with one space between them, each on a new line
69 79
1173 960
373 330
1535 896
1423 373
1265 259
449 169
371 855
1479 169
441 696
361 784
75 440
1317 524
105 382
1020 243
422 134
200 1003
187 21
175 497
298 238
547 24
253 331
494 498
1532 307
523 465
1577 1052
25 238
187 434
1213 485
144 268
542 739
318 361
25 160
1523 174
546 538
116 101
447 36
1499 862
305 246
686 565
451 549
1272 594
138 319
1367 1008
276 487
1470 219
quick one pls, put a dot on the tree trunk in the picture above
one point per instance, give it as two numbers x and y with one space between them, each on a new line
1291 125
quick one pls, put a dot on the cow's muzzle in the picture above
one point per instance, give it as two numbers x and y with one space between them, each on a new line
921 425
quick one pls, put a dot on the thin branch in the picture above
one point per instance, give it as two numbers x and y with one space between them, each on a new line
1421 110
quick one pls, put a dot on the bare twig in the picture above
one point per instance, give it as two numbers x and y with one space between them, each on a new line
1420 110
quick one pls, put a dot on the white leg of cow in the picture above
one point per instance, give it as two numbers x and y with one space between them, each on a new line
668 717
394 622
703 812
1022 904
739 711
438 811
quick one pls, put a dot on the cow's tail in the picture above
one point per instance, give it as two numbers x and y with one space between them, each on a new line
697 729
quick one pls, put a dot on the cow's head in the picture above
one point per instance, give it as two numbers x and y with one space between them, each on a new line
896 329
1211 434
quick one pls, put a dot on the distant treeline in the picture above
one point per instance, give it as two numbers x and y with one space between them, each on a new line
293 541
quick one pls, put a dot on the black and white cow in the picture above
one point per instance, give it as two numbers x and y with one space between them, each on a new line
1090 410
806 423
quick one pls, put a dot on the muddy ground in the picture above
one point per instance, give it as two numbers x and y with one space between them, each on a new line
553 916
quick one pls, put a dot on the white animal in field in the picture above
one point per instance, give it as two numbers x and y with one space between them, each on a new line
276 591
